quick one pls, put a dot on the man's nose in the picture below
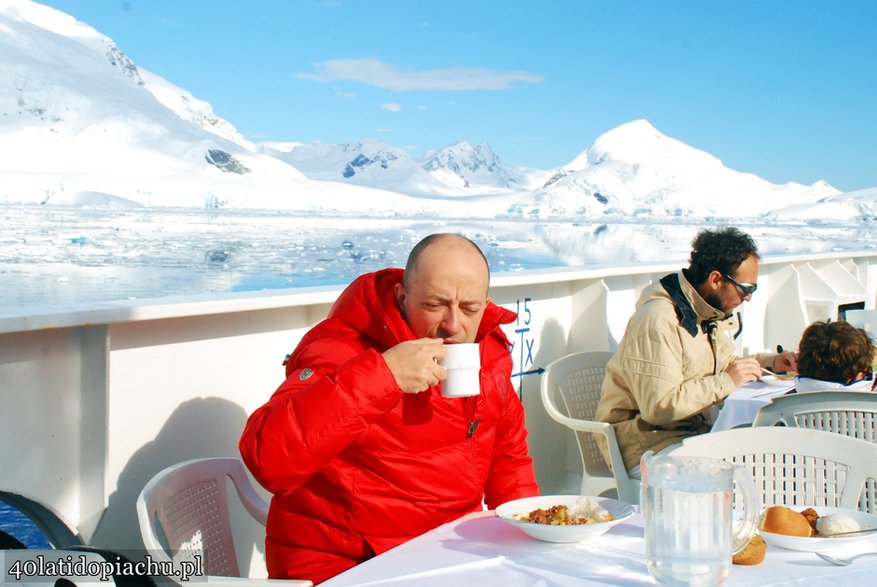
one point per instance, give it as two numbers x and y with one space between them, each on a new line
451 322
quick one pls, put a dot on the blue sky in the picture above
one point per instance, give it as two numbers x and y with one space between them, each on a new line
783 89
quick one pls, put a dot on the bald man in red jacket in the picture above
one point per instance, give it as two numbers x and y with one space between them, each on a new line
358 446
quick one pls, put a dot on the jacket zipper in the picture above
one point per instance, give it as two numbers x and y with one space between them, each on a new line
711 329
473 423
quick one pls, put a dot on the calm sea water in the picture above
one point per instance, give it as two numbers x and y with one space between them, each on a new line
17 524
52 256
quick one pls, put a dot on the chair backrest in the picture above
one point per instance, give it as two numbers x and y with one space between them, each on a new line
795 466
183 512
577 379
851 413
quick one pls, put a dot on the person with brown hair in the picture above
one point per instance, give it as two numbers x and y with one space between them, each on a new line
835 355
677 359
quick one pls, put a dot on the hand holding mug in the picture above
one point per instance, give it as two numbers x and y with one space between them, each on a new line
414 364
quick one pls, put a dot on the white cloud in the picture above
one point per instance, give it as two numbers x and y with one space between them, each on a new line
391 107
374 72
343 94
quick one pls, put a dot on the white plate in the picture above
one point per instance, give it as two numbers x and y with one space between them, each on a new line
827 544
619 510
777 381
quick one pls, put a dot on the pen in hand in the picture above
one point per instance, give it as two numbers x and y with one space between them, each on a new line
791 363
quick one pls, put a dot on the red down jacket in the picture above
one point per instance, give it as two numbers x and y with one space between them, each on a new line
355 465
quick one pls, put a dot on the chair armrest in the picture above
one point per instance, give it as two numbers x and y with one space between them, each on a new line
253 502
628 488
616 463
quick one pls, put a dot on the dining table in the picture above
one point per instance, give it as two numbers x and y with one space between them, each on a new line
742 404
482 549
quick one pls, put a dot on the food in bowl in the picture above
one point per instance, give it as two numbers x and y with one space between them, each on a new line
584 511
836 524
517 511
806 523
782 520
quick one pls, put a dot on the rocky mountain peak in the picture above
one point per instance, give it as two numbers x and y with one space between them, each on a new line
462 165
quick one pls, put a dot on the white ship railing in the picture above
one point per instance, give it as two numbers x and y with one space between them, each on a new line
97 399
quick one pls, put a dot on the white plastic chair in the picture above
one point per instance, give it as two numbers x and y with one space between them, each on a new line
188 505
851 413
578 378
794 466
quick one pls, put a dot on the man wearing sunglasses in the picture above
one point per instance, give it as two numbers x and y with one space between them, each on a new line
676 359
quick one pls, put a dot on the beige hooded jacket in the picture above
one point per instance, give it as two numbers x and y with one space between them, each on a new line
668 371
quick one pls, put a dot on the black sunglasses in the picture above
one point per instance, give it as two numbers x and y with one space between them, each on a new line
745 288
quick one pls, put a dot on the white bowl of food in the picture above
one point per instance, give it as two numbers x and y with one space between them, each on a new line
838 529
564 518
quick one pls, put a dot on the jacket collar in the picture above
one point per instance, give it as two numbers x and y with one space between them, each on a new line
806 384
693 311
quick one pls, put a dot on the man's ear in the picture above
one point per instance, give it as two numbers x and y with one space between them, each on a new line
399 292
714 279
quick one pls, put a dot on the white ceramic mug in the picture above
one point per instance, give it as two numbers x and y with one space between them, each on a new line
463 362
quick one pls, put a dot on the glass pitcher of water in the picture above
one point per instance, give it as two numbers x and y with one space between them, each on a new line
692 526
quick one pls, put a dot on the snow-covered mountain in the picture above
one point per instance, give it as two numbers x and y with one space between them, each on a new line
80 123
860 205
476 168
368 162
454 171
636 170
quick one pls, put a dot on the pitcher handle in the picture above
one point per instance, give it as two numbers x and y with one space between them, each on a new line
743 529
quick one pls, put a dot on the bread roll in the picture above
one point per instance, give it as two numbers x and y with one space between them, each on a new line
752 553
782 520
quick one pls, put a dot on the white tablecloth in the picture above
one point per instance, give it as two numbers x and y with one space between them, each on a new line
743 403
484 551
